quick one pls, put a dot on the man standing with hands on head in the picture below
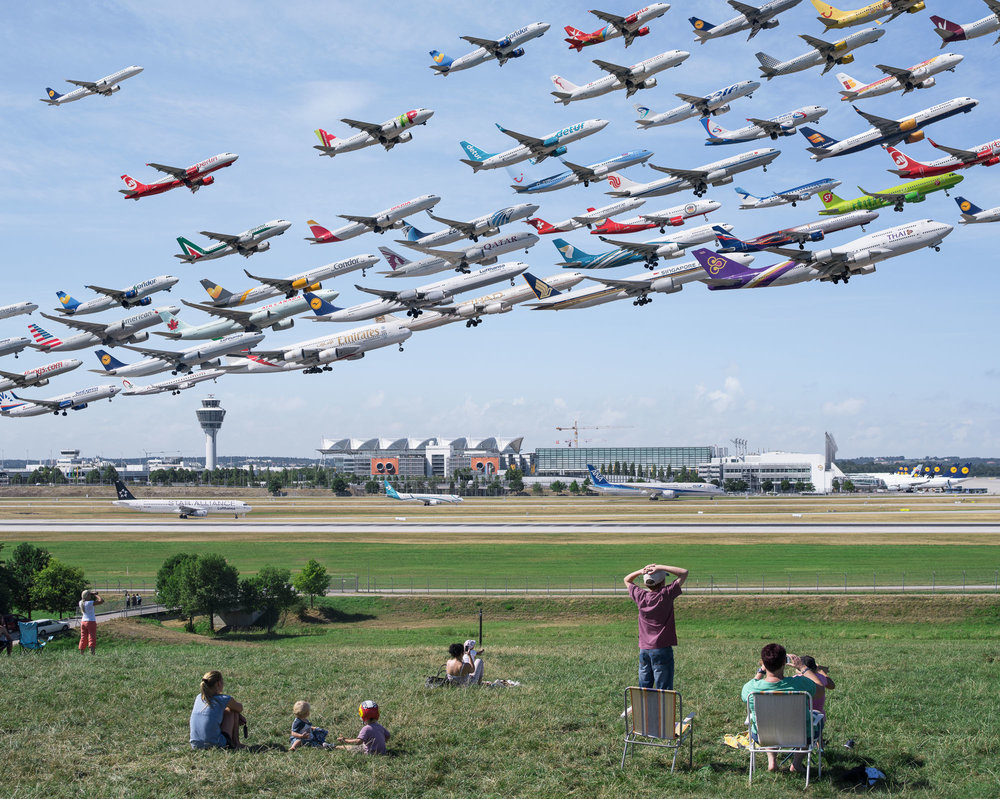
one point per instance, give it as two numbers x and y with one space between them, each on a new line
657 634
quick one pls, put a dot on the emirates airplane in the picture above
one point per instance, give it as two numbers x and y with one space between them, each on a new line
185 508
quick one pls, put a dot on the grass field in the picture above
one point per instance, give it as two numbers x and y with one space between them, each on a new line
917 690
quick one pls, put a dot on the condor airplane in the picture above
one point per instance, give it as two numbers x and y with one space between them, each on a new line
136 294
289 286
654 489
106 86
194 177
426 499
184 508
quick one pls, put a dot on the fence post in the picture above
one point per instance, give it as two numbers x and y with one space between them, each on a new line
904 582
963 581
933 581
737 583
873 582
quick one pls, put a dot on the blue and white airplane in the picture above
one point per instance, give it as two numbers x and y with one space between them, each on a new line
426 499
749 18
13 405
788 196
136 294
500 49
107 86
485 225
577 173
773 127
698 179
715 103
654 489
669 246
529 146
972 213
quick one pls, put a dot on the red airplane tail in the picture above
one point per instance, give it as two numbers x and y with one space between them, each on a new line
908 167
134 186
325 137
541 226
320 234
577 39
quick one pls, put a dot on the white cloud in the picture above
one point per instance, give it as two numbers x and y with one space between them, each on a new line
845 407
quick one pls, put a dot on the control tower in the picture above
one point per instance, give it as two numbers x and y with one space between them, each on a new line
210 416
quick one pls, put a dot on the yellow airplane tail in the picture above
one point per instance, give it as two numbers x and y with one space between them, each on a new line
828 15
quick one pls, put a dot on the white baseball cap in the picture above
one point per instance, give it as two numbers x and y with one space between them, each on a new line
654 578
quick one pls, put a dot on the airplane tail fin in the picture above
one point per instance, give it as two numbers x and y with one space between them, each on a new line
412 233
394 259
441 62
174 325
109 361
564 89
190 251
967 208
744 193
69 305
540 225
318 305
576 38
52 96
828 15
570 254
43 338
9 401
215 291
132 185
620 185
644 113
596 477
829 199
907 166
476 155
701 27
850 90
718 266
768 64
390 491
122 489
324 137
820 141
539 287
960 471
716 133
729 243
948 31
319 233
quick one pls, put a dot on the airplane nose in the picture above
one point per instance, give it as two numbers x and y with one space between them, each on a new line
544 26
600 124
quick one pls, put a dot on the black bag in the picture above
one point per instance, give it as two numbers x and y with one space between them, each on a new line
437 680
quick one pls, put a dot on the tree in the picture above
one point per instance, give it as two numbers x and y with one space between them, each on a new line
586 484
574 488
537 489
4 585
558 486
26 561
57 587
168 585
785 484
270 592
849 486
208 584
836 484
800 486
312 580
767 485
339 483
109 474
372 486
274 484
92 477
515 479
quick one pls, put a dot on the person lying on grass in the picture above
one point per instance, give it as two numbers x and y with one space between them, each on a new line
372 737
216 716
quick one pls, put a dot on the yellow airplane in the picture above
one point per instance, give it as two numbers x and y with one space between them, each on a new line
835 18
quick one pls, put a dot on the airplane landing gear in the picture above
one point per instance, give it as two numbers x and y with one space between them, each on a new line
473 322
937 249
400 347
640 301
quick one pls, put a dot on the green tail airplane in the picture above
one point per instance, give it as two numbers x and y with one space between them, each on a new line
915 191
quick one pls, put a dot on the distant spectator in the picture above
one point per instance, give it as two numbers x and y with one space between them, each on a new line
138 600
657 632
216 716
88 620
471 658
457 669
303 733
819 700
373 736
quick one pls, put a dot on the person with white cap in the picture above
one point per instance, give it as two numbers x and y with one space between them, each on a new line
657 633
471 657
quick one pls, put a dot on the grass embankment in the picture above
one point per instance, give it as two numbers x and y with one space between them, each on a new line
917 689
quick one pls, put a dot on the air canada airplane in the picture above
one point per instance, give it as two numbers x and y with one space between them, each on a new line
653 489
427 499
185 508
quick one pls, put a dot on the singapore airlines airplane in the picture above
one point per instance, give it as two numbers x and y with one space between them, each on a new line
185 508
427 499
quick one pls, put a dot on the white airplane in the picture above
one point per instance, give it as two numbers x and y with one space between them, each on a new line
892 481
663 218
388 134
773 127
654 489
670 246
799 234
175 385
246 243
13 405
699 179
107 86
16 309
485 252
575 174
379 223
248 363
919 76
485 225
201 355
973 214
792 196
289 286
39 376
827 53
136 294
401 266
501 49
616 26
749 18
598 216
417 299
13 345
954 32
185 508
128 330
715 103
426 499
530 147
632 79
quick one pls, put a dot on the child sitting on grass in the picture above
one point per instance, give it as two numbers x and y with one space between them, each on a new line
372 737
303 733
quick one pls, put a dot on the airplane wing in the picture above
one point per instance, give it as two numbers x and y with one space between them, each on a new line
367 221
233 314
187 510
490 45
825 48
884 195
965 156
885 126
385 295
638 247
686 174
86 84
521 138
225 238
627 285
582 172
770 127
43 402
619 72
19 380
115 294
368 127
450 256
463 227
750 12
164 355
896 72
174 171
701 103
611 19
274 282
802 256
96 328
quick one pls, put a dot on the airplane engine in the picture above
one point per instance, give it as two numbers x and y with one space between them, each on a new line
665 285
559 151
907 125
191 171
404 136
264 246
434 296
915 197
198 513
865 270
79 407
926 84
504 42
407 295
771 23
143 336
643 31
340 354
915 8
283 324
859 257
433 502
670 250
846 59
992 161
675 221
664 495
497 307
632 18
719 181
914 137
516 53
841 45
816 235
144 301
208 180
721 110
649 83
43 382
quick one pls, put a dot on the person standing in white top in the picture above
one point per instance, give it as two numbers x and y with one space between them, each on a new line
88 621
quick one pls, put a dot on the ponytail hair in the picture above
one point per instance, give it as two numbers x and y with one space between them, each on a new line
209 680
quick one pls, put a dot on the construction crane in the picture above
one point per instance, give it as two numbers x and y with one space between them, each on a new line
576 427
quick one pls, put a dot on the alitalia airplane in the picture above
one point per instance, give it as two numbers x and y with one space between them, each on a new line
136 294
388 134
17 407
654 489
915 191
835 18
107 86
751 18
184 508
193 177
501 49
919 76
426 499
246 243
616 26
954 32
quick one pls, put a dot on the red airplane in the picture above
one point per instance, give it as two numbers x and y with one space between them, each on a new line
629 27
194 177
987 154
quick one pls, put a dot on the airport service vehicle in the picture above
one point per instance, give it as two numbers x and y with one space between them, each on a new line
954 32
388 134
136 294
193 177
751 18
246 243
791 196
175 385
485 252
800 234
973 214
125 331
915 191
106 86
919 76
39 376
654 489
289 286
695 105
485 225
501 49
576 174
716 173
530 146
201 355
17 407
16 309
829 54
628 27
379 223
184 508
426 499
987 154
781 125
632 79
835 18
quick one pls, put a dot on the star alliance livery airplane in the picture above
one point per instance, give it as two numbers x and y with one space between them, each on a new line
185 508
426 499
653 489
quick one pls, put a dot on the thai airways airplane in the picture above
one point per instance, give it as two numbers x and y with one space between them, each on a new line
694 105
39 376
616 26
529 146
16 309
698 179
654 489
200 355
289 286
485 252
670 246
835 18
485 225
13 405
800 234
194 177
632 79
13 345
577 173
749 18
827 53
953 32
972 213
246 243
781 125
107 86
128 330
136 294
175 385
378 223
185 508
501 49
987 154
388 134
426 499
788 196
919 76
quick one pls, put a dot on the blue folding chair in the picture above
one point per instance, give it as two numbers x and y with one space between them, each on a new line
29 637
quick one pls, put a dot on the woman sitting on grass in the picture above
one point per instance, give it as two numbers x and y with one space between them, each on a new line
216 717
459 670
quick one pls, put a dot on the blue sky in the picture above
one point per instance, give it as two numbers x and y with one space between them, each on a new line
897 362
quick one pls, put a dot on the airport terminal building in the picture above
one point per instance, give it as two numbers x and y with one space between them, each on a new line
429 457
572 461
754 469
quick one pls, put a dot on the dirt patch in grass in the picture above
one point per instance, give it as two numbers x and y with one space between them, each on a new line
170 632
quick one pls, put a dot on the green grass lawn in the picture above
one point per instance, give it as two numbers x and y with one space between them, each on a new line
918 690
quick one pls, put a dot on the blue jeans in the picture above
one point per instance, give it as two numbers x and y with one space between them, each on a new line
656 668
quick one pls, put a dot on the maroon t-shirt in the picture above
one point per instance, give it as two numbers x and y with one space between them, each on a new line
656 615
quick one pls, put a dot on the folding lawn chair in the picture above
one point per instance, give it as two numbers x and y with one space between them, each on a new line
784 722
654 714
29 636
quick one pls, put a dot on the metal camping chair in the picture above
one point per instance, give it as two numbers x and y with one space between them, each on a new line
654 713
784 723
29 636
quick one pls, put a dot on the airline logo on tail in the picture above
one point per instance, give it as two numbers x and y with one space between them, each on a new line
214 292
395 260
315 303
390 491
43 337
715 264
567 250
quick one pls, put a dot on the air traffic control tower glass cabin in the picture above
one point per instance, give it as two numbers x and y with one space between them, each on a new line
210 416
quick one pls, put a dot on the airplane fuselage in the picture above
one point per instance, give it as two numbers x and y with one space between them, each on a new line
600 170
715 103
510 45
764 19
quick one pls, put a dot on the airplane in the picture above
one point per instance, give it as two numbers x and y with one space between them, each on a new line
698 179
628 27
885 131
184 508
13 345
919 76
788 196
289 286
654 489
939 477
893 481
827 53
501 49
16 309
39 376
632 78
13 405
953 32
915 191
485 252
662 219
401 266
184 361
194 177
379 223
754 19
577 173
485 225
987 154
275 315
695 105
857 257
388 134
136 294
530 147
667 280
417 299
426 499
671 246
774 127
800 234
248 363
246 243
972 213
589 219
131 329
106 86
316 354
835 18
175 385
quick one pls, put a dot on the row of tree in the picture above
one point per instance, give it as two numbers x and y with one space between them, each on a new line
641 472
32 579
